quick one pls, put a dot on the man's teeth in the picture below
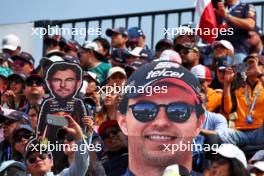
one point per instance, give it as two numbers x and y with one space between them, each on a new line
156 137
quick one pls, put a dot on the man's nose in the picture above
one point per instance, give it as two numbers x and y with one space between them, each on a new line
161 120
63 84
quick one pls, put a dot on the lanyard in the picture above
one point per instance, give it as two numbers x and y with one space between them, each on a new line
233 7
254 99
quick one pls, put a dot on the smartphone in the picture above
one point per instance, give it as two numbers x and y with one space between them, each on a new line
57 120
242 67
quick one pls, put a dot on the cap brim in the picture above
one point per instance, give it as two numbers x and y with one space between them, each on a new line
10 47
110 32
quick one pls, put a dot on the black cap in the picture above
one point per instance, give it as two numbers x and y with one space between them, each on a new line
24 56
120 55
36 146
15 76
155 71
35 77
16 116
120 30
163 42
58 39
254 56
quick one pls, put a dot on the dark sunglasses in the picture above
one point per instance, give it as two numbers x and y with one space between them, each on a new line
113 130
36 82
19 63
33 159
177 112
16 81
69 138
18 138
8 122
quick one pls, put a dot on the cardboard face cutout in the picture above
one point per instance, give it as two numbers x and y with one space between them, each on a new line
64 81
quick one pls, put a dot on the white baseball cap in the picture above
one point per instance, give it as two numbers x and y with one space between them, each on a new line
201 72
225 43
258 156
136 51
53 58
259 165
10 42
232 151
114 70
170 55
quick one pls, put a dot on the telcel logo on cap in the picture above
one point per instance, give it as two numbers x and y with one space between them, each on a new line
166 65
164 73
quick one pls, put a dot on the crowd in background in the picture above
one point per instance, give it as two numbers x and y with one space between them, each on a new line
230 72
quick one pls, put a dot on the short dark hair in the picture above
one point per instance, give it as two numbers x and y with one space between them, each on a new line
62 66
104 42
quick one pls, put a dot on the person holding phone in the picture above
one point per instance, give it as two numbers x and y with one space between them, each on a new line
249 99
238 19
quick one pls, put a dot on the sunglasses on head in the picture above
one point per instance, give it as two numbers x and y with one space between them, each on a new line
177 112
32 159
113 130
36 82
19 137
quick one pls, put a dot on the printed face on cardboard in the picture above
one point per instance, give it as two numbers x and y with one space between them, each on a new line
64 79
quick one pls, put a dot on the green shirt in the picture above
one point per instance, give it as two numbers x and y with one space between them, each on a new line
101 70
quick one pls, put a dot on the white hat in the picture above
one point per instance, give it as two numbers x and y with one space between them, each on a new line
114 70
232 151
92 75
91 45
10 42
170 55
201 72
225 43
53 58
136 51
259 165
258 156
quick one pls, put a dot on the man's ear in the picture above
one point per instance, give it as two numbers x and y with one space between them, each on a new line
200 122
122 121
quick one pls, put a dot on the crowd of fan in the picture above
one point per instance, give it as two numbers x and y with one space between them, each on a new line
230 78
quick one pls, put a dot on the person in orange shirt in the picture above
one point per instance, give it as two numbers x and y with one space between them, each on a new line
213 99
249 98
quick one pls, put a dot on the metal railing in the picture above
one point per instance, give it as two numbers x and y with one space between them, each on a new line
167 15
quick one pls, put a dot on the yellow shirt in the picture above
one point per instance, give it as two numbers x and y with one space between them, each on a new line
242 107
213 100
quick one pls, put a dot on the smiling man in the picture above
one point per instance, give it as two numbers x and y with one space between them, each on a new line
155 123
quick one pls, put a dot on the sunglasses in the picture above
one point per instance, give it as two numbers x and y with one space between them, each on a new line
8 122
18 138
36 82
33 159
16 81
113 131
19 63
177 112
69 138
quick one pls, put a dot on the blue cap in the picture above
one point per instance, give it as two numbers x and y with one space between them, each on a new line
224 62
134 33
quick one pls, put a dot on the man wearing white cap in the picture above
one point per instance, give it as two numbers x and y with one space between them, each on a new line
11 45
257 168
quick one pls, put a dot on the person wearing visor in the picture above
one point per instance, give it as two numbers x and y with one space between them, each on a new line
154 122
12 168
